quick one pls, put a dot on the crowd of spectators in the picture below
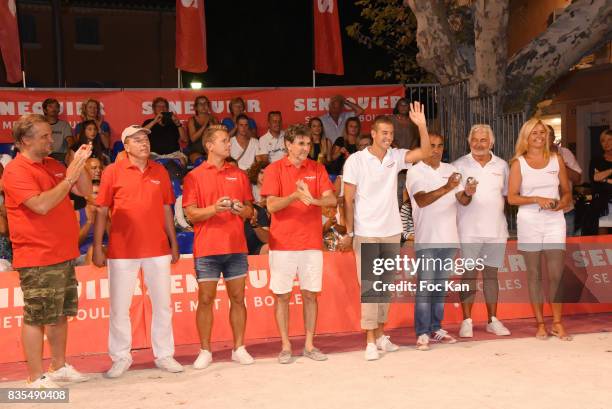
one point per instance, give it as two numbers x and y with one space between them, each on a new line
335 136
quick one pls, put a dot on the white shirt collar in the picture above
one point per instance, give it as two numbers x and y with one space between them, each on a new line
492 161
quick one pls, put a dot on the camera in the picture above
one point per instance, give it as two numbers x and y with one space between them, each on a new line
166 117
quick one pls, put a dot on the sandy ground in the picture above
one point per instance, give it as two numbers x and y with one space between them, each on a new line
501 374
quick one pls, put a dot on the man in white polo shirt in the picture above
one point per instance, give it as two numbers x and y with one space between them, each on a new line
333 121
272 143
482 225
372 213
433 188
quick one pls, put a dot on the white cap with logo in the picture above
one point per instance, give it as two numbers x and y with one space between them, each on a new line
133 130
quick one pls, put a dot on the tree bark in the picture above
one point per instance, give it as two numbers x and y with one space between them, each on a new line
583 27
490 47
437 49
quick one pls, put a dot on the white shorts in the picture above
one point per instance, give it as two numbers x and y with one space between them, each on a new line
284 265
537 231
490 249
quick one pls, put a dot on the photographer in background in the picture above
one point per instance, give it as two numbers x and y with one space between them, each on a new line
167 132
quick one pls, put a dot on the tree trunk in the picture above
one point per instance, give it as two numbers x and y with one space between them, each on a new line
490 47
437 48
583 27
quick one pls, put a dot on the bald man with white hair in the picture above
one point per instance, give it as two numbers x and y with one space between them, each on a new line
333 121
482 225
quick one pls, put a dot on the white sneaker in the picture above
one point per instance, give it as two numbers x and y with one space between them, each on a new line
371 352
466 330
241 356
67 373
442 337
384 343
169 364
42 383
119 368
203 360
422 343
497 328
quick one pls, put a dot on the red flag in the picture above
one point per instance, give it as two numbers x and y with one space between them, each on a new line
327 39
9 40
190 36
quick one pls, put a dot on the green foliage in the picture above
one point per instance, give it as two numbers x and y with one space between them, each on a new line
391 26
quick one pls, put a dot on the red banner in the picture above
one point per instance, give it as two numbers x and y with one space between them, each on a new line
327 38
87 332
190 36
122 108
9 41
339 308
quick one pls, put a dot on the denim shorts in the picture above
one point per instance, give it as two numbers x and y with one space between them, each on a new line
209 268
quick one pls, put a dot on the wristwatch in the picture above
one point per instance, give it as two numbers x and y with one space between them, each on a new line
350 234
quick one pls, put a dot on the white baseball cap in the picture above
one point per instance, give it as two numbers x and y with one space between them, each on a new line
133 130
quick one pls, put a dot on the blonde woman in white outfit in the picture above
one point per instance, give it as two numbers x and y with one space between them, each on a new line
536 177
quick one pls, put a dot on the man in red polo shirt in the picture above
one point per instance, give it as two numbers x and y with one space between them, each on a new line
44 232
138 193
296 189
217 198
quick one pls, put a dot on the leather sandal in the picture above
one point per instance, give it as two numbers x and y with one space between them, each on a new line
564 337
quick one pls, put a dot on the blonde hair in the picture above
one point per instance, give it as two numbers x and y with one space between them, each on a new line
484 127
24 126
209 134
84 109
522 143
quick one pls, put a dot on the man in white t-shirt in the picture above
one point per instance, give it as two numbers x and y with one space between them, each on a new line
433 188
243 148
333 121
574 174
483 229
372 214
272 143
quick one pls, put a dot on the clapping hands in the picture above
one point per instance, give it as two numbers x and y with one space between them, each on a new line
303 193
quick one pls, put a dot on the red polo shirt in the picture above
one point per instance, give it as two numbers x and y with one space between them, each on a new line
136 200
38 240
296 227
224 232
